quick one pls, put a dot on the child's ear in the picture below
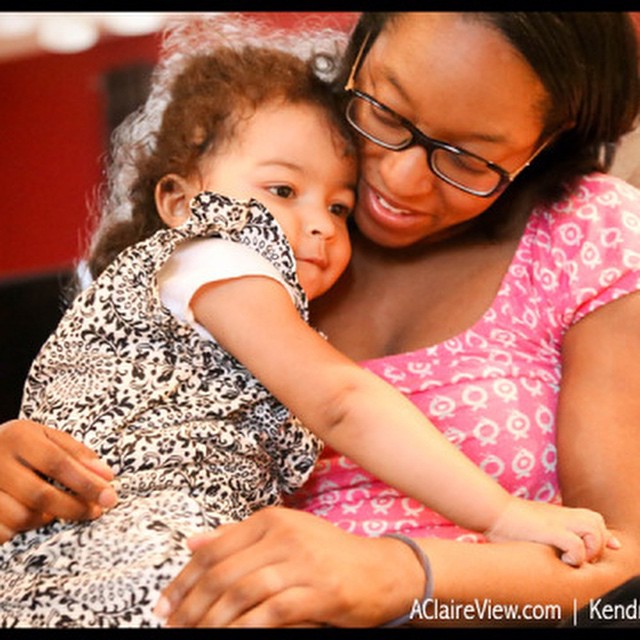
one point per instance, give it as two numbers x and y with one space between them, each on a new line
172 195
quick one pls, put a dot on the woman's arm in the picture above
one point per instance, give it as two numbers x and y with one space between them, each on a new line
598 440
31 457
280 567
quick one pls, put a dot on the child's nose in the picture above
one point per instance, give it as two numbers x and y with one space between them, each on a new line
320 222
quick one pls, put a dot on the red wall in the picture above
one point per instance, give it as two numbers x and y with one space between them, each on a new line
53 130
53 137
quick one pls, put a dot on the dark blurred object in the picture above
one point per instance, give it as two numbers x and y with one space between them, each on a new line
30 309
618 608
126 88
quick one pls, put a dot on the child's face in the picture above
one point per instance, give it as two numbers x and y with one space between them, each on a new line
287 157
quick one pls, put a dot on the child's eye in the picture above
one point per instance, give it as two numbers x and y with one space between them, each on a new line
281 191
341 210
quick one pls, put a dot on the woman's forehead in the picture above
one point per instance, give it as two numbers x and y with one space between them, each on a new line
456 74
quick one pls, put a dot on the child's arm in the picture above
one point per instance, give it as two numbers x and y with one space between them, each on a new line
360 415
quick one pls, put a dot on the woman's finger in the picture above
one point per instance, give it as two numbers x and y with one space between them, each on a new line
226 591
41 497
247 572
15 517
209 549
80 452
56 464
47 474
214 570
32 455
292 607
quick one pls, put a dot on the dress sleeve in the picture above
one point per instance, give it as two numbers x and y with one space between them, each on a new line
590 251
201 261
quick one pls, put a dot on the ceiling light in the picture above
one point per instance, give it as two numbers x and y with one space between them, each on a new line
67 33
132 23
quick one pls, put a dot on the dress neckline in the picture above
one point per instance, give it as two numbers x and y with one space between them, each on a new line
529 230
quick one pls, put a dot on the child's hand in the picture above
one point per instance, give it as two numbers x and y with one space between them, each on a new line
580 534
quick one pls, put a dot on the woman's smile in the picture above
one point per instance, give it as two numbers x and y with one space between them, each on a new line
380 216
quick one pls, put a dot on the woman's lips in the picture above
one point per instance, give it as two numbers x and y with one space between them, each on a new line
385 213
387 205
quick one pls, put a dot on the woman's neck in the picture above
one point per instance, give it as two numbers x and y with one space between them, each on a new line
396 300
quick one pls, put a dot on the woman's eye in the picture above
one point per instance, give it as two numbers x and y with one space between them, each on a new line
281 191
385 118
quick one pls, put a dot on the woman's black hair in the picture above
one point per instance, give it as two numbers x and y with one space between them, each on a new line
588 64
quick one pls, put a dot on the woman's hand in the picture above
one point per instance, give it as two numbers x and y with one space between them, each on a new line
31 457
282 567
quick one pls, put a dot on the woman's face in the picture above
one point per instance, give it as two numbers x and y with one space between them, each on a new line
459 81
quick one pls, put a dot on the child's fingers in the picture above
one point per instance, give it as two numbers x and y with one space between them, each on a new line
593 545
574 550
593 532
613 542
595 535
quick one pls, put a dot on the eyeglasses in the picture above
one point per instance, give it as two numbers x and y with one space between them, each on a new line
455 166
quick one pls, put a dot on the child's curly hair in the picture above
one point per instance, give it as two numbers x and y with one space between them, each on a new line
211 72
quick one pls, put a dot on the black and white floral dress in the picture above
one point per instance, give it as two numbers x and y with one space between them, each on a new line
194 438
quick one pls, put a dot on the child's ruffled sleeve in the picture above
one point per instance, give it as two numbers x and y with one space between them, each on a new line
204 260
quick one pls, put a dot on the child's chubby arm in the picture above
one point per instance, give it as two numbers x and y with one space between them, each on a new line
363 417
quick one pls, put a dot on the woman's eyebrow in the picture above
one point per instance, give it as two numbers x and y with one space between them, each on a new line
493 138
466 136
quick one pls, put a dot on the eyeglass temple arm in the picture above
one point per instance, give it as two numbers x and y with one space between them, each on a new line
552 138
356 63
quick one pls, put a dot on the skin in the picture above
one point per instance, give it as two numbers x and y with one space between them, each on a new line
282 567
27 501
310 196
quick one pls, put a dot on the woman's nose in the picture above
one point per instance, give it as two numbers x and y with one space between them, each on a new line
406 173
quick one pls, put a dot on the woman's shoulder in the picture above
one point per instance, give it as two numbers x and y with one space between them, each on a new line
598 208
584 250
598 195
597 184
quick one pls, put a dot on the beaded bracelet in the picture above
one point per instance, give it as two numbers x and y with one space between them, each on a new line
426 566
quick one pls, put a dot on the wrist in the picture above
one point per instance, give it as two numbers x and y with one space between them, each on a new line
495 532
418 572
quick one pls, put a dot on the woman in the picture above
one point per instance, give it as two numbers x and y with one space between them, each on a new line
450 237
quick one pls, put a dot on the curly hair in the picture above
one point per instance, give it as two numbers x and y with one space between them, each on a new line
210 70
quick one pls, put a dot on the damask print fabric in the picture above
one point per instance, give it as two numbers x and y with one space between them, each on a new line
194 438
493 389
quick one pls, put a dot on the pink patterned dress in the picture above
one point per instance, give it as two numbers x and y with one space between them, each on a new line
493 389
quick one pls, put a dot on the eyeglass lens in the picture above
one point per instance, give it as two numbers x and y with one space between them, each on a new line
453 165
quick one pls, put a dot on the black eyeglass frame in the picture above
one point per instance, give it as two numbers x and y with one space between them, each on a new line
418 138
